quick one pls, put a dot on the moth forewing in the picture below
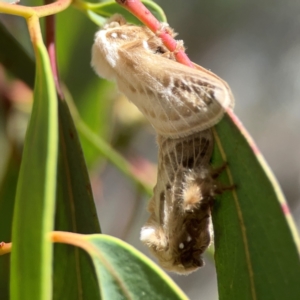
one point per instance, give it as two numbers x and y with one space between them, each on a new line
176 99
179 228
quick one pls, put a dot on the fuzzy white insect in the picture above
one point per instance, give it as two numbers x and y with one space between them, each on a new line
176 99
181 103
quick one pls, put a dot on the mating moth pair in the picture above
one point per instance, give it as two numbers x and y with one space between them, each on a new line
182 104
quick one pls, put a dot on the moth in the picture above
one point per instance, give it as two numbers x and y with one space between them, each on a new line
176 99
182 104
179 228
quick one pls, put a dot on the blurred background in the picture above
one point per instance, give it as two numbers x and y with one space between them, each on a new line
253 45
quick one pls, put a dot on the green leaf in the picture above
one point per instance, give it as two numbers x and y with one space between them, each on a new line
7 200
255 243
31 261
122 271
74 275
96 112
14 58
108 8
94 17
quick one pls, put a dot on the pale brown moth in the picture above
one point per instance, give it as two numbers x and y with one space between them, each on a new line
182 104
176 99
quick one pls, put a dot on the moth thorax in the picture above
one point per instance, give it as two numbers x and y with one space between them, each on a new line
198 188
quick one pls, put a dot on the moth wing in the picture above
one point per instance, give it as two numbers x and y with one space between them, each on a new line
176 99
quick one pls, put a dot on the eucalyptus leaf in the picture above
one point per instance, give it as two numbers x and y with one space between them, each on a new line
31 261
256 246
75 212
15 58
7 200
125 273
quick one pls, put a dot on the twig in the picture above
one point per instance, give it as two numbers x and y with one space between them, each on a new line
50 44
163 31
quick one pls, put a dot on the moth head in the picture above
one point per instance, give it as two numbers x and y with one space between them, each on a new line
179 248
115 35
104 53
118 36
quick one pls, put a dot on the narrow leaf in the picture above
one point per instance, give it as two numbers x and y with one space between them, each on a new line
33 219
255 244
15 58
74 275
7 200
122 271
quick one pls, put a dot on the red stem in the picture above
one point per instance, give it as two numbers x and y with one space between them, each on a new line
138 9
50 44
